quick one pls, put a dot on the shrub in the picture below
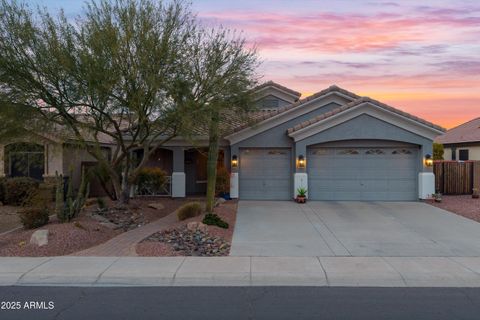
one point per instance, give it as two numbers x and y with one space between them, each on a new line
32 217
189 210
213 219
102 204
222 184
150 181
17 190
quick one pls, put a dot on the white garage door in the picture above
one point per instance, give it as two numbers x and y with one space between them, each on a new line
265 174
350 173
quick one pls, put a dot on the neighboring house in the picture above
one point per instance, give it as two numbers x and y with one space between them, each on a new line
462 142
336 144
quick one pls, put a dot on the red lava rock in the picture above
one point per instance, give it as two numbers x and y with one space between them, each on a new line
463 205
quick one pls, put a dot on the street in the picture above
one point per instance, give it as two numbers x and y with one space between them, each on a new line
239 303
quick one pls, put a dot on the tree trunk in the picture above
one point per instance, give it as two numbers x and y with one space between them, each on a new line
212 162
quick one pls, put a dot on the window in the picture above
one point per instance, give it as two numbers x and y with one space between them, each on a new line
374 151
454 154
348 151
463 154
270 103
25 160
402 151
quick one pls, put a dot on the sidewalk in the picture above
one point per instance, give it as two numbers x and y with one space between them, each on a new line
242 271
124 244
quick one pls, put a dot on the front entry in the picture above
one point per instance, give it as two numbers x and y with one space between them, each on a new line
265 174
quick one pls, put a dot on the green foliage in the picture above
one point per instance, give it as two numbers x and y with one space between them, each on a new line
189 210
74 204
34 217
101 203
19 189
223 181
151 180
213 219
302 192
438 151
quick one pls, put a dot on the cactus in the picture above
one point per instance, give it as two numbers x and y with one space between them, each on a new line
73 205
59 196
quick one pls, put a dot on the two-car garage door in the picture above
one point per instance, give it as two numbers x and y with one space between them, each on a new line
363 173
334 173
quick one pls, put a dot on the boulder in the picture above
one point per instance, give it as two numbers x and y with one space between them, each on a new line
219 201
39 238
202 227
156 206
192 226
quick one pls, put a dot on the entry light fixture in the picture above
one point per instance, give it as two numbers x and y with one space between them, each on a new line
234 161
301 161
428 160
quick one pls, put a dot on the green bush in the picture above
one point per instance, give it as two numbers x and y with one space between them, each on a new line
17 190
189 210
151 181
32 217
222 184
213 219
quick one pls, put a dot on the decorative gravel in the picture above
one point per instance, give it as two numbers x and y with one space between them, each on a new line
192 243
63 239
178 241
463 205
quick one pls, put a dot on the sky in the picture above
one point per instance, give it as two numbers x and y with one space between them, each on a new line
419 56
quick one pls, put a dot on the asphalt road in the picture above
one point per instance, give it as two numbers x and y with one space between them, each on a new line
241 303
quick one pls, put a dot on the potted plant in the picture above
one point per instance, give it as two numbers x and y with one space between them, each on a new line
437 197
301 195
476 193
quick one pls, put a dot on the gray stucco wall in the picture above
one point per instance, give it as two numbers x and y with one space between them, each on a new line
368 128
277 137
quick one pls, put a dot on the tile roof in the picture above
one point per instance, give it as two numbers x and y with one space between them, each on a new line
467 132
355 103
276 85
259 116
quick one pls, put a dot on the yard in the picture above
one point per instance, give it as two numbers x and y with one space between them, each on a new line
463 205
91 228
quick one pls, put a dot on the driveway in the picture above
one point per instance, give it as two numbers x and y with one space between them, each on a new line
284 228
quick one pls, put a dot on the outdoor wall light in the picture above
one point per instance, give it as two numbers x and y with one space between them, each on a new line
301 161
428 160
234 161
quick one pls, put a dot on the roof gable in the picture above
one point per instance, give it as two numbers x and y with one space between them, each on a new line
266 120
365 106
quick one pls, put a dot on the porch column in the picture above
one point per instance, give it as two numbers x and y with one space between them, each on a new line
234 186
178 174
2 160
300 177
426 177
53 160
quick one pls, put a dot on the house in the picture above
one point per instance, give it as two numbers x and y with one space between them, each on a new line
462 142
338 145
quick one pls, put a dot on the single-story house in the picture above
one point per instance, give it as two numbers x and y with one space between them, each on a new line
462 142
338 145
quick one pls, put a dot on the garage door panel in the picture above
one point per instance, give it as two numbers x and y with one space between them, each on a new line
265 174
351 173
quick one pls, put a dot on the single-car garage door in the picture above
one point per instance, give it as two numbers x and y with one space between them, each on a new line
265 174
363 173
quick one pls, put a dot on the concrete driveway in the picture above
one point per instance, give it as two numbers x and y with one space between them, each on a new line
393 229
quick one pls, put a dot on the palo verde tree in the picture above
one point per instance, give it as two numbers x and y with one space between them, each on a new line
221 73
110 76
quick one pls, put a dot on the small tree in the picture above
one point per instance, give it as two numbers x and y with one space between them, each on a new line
109 78
438 151
222 71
